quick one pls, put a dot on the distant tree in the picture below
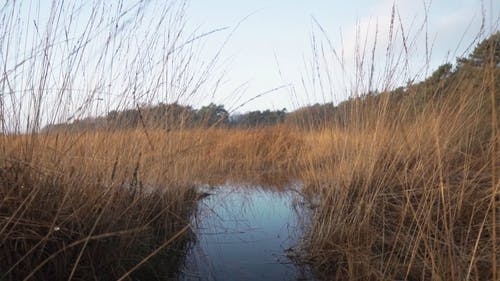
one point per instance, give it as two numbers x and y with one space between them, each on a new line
444 71
258 118
487 49
212 115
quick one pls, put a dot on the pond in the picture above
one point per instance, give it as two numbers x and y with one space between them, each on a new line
245 233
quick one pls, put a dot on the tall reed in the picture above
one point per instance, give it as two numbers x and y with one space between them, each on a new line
80 205
408 186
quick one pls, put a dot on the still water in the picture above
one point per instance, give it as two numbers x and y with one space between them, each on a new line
245 233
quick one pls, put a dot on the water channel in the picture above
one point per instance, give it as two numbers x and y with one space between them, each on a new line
246 233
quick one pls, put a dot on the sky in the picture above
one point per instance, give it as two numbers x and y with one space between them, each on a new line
75 59
270 45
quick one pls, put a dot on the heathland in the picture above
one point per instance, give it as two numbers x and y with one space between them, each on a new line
406 181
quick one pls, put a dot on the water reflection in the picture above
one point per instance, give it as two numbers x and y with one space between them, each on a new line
244 233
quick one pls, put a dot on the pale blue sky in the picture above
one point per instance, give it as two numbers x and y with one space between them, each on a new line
271 47
278 32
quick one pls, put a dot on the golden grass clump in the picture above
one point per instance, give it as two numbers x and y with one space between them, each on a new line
59 226
409 198
71 197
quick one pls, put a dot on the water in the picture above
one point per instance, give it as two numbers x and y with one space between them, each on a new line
244 233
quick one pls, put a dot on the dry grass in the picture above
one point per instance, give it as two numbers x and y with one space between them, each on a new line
407 191
408 199
81 206
60 226
163 158
69 198
398 200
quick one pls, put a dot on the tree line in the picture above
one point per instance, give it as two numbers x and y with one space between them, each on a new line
468 71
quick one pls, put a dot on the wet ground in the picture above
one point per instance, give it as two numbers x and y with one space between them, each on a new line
246 233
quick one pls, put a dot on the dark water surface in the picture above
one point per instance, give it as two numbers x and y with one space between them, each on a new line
244 233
